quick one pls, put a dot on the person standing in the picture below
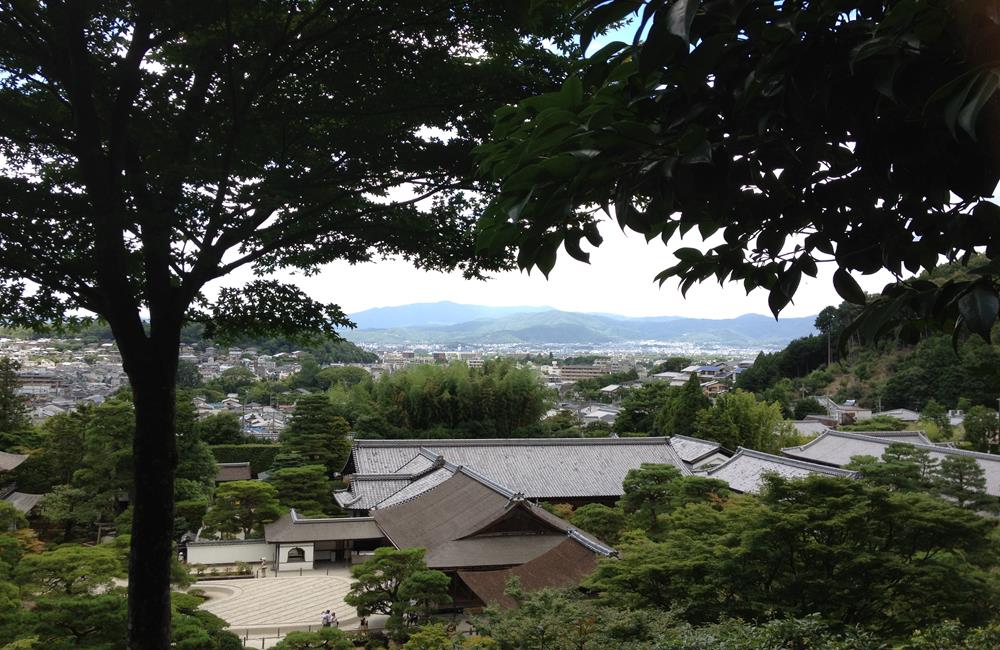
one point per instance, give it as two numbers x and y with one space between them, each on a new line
326 618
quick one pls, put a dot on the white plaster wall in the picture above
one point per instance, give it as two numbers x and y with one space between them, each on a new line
285 565
222 553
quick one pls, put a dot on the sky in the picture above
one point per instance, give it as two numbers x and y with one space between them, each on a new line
618 280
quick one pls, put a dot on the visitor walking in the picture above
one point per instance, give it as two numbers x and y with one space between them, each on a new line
327 618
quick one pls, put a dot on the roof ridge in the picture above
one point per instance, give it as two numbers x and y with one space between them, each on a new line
296 519
919 445
794 462
446 466
593 545
693 439
523 442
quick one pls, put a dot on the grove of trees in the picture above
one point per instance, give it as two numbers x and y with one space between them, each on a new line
152 148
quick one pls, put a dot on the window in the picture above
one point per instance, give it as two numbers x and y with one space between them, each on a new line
296 555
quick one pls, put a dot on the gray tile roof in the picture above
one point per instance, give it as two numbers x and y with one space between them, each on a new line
469 521
838 447
418 487
909 437
293 528
23 501
691 450
227 472
9 462
808 427
367 491
541 468
746 470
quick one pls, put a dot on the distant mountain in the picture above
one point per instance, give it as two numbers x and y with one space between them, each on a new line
560 327
431 313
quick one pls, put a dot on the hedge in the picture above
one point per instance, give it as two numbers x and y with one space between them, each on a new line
261 457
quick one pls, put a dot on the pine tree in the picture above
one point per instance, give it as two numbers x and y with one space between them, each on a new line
961 478
13 407
318 434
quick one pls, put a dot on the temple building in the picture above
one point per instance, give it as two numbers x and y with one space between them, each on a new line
576 471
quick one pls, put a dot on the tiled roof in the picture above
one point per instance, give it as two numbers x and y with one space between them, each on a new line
417 487
691 450
468 521
367 491
746 470
292 528
23 501
838 447
909 437
9 462
541 468
564 565
233 472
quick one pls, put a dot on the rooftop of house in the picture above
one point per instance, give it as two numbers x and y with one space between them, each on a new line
541 468
9 462
470 521
836 448
233 472
745 471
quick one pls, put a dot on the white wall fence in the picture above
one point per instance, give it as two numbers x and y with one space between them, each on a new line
229 551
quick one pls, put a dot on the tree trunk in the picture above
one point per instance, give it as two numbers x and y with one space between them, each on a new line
152 367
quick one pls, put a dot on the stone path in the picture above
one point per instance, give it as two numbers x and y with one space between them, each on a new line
292 602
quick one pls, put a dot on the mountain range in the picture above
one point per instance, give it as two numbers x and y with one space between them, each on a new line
452 323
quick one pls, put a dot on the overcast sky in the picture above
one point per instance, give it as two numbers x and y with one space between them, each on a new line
618 280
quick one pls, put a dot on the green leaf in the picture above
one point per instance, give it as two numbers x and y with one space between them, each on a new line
848 288
681 16
979 309
970 112
688 254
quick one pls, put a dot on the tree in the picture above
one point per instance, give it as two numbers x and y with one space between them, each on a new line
934 412
639 408
379 582
808 406
151 149
13 406
678 415
10 517
646 493
188 375
69 507
599 520
220 429
778 160
317 433
963 480
70 570
327 638
242 507
423 592
234 380
982 429
901 467
429 637
737 419
853 553
762 374
105 470
307 489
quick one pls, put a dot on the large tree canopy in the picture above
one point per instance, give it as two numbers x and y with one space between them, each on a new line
861 133
148 148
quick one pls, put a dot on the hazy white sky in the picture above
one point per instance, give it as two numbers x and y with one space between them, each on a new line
618 280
